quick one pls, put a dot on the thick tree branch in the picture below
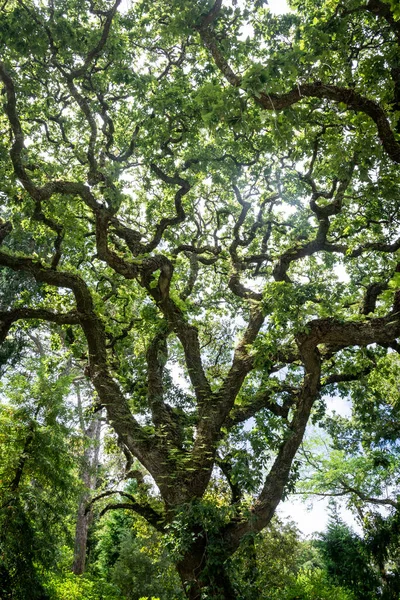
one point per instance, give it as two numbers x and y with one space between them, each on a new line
108 390
382 10
332 332
278 475
262 400
11 316
96 51
180 212
242 362
347 489
276 102
379 501
371 296
214 411
323 213
327 331
137 508
211 44
211 15
162 415
193 274
18 150
141 508
344 377
227 469
186 333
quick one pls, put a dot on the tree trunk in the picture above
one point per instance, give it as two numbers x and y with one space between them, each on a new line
81 534
202 577
90 464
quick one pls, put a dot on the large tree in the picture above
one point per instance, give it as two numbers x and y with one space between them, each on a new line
203 200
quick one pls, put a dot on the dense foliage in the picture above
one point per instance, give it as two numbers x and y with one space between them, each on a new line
201 201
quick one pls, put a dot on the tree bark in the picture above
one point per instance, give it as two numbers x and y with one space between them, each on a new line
90 463
202 573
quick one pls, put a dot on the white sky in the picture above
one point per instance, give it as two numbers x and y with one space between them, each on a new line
278 6
311 516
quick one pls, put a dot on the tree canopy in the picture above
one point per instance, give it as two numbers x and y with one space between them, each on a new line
201 199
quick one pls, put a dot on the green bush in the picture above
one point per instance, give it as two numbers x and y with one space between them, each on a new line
314 585
73 587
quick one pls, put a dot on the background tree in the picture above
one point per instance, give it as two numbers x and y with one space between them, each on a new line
359 463
38 483
89 474
267 564
132 555
347 560
205 198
